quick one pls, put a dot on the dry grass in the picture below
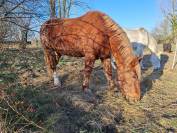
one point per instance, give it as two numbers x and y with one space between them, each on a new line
23 78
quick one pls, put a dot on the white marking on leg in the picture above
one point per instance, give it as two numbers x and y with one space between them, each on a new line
56 79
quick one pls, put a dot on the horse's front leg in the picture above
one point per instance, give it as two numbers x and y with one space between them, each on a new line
108 71
89 64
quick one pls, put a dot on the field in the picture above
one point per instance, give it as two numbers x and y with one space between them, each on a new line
30 103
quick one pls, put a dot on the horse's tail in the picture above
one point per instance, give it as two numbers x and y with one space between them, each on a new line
43 34
44 44
50 56
119 42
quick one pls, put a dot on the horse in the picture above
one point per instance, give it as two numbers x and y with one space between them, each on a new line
93 35
140 39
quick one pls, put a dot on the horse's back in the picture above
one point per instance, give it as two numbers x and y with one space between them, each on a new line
77 35
92 18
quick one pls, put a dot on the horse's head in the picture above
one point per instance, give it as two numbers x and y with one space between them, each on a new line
129 80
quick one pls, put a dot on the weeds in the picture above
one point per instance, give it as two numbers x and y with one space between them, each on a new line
26 108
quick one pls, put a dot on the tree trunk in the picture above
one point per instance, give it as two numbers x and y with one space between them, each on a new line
52 9
69 8
24 38
59 9
174 58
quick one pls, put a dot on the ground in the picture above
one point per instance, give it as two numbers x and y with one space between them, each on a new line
30 102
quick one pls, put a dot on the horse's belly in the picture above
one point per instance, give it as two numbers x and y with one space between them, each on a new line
71 53
70 49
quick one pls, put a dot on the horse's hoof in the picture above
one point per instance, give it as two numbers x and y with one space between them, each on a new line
131 99
112 85
111 88
57 83
57 86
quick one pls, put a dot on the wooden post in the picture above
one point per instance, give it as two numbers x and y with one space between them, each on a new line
24 38
174 58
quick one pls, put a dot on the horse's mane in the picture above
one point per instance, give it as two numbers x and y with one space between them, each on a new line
118 33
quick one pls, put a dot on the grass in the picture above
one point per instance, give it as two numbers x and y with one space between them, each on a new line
30 103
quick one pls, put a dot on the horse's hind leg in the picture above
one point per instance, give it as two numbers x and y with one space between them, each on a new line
108 71
51 59
89 64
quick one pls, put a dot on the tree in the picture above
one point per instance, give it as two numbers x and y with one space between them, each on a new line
52 8
170 12
4 31
66 7
22 15
162 32
173 19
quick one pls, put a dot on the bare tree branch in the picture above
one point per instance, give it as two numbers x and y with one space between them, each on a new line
22 26
16 6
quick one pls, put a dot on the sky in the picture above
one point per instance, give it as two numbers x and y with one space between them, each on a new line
130 13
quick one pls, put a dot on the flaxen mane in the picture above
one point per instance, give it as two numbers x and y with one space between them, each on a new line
93 36
115 31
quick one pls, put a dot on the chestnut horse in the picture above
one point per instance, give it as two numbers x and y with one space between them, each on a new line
93 36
